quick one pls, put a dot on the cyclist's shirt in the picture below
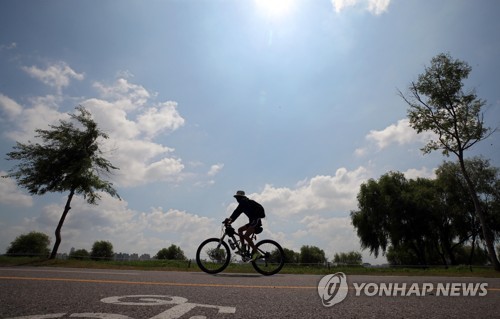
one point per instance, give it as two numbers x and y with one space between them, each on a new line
251 208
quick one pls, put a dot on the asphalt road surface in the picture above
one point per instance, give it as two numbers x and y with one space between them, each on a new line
43 293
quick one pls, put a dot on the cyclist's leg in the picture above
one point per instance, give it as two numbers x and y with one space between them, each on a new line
246 232
248 236
251 227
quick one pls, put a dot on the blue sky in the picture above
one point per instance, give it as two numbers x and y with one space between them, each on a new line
294 103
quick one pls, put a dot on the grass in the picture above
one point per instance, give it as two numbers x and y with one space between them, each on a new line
175 265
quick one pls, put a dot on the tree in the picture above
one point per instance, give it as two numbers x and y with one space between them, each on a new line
312 255
395 212
426 221
68 160
102 250
80 254
437 103
173 252
486 180
31 244
350 258
291 256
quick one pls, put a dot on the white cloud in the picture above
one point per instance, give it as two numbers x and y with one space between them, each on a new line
423 172
340 5
378 7
338 231
57 75
321 193
9 106
39 115
155 120
214 169
375 7
400 133
10 194
123 94
140 161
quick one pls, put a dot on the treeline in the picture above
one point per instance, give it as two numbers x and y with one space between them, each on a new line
36 244
429 221
315 255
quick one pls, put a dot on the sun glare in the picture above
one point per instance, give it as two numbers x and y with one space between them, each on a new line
275 8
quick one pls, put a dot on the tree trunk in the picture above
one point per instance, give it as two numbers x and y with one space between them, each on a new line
488 235
61 222
472 251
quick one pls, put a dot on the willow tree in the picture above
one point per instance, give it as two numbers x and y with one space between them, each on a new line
68 159
438 103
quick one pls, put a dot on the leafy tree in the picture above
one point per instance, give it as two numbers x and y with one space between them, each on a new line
311 255
68 160
31 244
291 256
350 258
396 212
426 221
437 103
102 250
80 254
173 252
486 180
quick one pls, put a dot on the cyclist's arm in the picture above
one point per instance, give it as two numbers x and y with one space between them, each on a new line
237 212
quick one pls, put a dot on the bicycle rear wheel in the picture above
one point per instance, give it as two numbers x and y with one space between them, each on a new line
213 255
272 260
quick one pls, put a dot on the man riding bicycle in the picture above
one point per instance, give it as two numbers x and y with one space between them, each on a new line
254 212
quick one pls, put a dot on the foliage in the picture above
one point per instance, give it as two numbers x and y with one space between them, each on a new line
426 221
439 104
175 253
291 256
311 255
67 160
31 244
350 258
80 254
102 250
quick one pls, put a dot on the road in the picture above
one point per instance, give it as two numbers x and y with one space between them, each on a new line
42 293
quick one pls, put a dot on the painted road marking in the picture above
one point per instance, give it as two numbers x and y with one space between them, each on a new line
180 308
178 284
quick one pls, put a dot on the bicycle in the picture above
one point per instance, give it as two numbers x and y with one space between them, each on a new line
214 255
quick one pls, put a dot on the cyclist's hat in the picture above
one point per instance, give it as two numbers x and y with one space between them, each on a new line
240 194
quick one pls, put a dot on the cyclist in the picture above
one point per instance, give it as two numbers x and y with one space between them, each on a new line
254 212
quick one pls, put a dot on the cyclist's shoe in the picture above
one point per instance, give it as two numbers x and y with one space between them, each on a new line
256 255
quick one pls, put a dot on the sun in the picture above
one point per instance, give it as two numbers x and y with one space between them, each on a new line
275 8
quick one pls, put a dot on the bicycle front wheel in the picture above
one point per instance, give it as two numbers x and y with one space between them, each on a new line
272 259
213 255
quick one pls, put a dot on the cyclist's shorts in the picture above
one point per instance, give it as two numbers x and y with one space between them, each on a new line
256 224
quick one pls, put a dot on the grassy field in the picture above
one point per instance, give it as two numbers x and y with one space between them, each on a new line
172 265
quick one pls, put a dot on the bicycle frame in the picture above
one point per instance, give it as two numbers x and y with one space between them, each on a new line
230 232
